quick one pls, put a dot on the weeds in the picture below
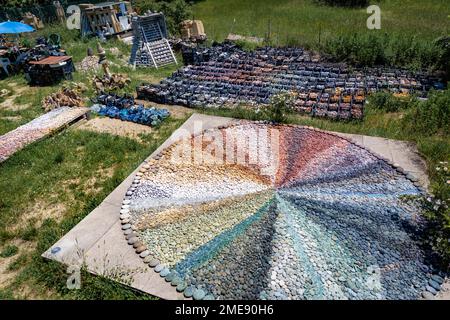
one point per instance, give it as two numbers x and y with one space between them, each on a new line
9 251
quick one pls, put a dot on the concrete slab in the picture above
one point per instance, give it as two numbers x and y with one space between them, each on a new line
98 241
403 153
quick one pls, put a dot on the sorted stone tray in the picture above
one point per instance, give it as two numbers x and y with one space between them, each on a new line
328 222
37 129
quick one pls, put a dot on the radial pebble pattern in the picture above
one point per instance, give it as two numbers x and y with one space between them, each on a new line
323 219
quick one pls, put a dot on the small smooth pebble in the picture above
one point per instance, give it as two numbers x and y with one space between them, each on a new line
153 263
199 294
144 254
188 292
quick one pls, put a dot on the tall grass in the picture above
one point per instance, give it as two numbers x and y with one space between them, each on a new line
388 50
306 23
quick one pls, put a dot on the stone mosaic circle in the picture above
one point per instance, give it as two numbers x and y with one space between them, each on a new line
329 222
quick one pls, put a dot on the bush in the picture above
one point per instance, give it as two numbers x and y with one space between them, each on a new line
175 11
443 59
392 50
429 117
437 213
280 105
388 102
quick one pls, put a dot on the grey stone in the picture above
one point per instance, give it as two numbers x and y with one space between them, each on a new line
126 226
426 295
131 234
199 294
434 284
153 262
164 272
431 289
188 292
181 286
132 240
144 254
159 267
437 278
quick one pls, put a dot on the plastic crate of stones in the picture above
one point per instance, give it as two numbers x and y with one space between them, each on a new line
231 75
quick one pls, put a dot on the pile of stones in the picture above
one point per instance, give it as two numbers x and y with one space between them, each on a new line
113 82
328 223
65 97
226 76
89 64
124 108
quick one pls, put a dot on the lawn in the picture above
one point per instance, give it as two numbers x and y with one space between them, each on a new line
304 22
49 186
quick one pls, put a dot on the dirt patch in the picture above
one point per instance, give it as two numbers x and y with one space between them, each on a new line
91 185
40 211
7 276
116 127
9 103
149 79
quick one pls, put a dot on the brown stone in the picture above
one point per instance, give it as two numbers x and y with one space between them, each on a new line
137 244
141 249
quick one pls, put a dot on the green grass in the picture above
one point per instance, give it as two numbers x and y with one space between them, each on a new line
9 251
76 169
69 169
304 22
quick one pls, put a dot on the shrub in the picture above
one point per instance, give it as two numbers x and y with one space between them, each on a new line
443 58
175 11
437 213
429 117
280 105
371 49
388 102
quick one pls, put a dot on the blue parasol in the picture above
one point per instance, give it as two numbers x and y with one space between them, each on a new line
14 27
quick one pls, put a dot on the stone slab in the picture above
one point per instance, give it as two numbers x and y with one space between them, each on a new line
98 241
